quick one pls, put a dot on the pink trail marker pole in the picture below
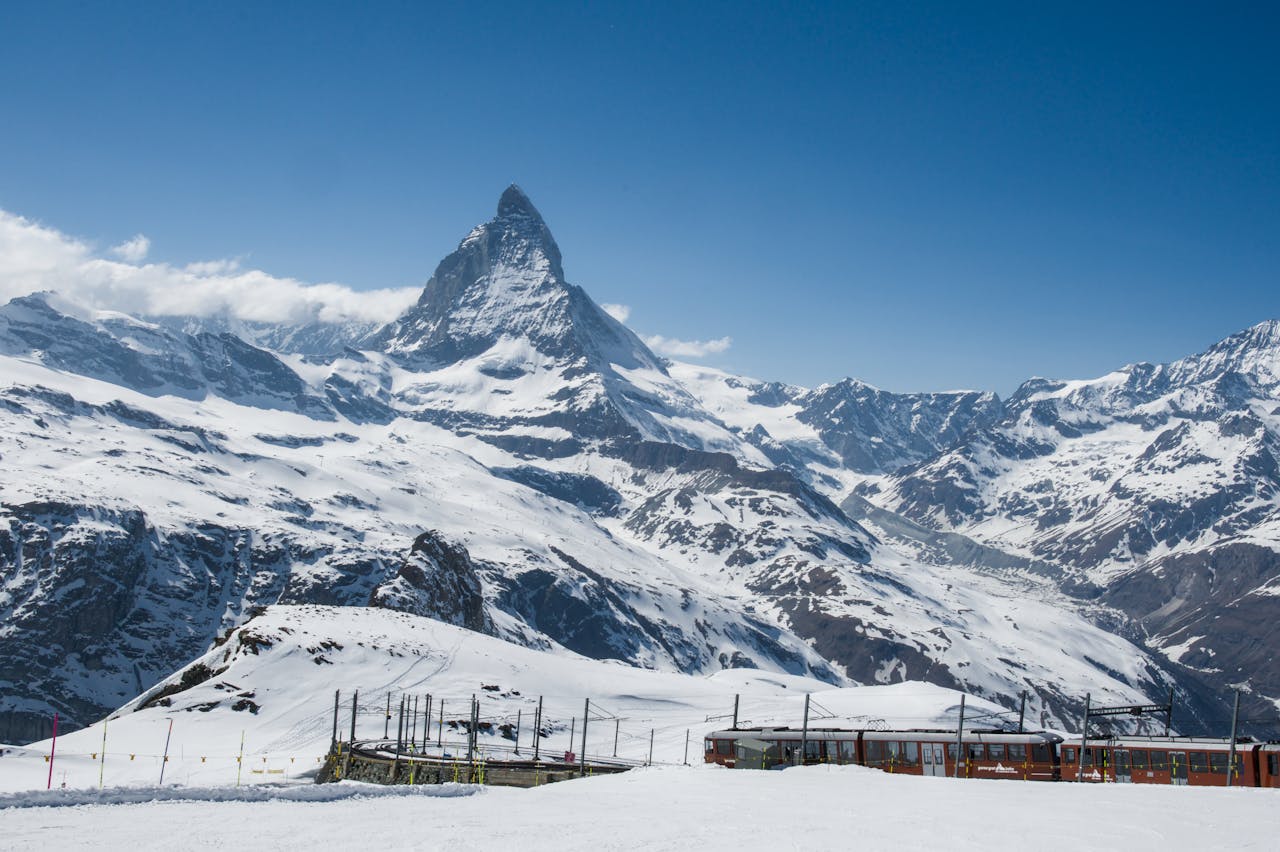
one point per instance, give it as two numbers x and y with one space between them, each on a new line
52 748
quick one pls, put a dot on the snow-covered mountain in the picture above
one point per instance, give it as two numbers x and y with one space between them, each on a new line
1154 490
506 457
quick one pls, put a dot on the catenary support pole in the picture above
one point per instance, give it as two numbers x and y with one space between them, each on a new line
1022 711
471 734
735 711
686 746
53 748
440 731
413 728
1168 717
1231 756
537 730
386 721
1084 739
102 762
649 762
960 755
582 758
426 724
519 713
240 760
804 730
355 698
333 743
573 730
617 727
164 759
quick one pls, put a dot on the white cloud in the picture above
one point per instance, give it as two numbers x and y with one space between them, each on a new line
618 312
134 250
34 257
673 348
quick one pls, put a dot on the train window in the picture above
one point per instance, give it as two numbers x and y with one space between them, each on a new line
911 754
995 751
847 754
895 751
976 751
1218 762
1273 764
724 746
1121 758
1088 757
1069 754
1160 760
875 752
1196 762
711 746
1017 752
812 750
1138 759
951 752
1102 757
1040 753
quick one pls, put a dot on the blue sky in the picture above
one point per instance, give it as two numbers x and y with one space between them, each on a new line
921 195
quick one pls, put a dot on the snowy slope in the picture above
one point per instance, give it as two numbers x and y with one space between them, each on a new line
274 678
1154 489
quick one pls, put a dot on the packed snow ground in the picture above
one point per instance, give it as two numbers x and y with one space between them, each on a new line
683 808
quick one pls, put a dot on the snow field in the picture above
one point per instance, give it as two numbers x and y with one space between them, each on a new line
663 808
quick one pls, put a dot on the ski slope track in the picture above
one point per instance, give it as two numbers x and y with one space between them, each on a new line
507 458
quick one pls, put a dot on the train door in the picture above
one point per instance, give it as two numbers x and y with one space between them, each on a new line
1177 767
931 756
1120 763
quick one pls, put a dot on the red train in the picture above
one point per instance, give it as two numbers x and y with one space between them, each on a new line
1198 761
1035 756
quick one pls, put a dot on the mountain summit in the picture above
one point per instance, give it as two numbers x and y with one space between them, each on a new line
535 348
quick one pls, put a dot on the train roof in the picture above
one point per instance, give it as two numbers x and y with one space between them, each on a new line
919 734
1169 743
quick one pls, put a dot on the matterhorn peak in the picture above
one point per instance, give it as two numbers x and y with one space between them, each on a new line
514 202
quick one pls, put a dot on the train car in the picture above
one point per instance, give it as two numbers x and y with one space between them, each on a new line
986 754
1269 765
1196 761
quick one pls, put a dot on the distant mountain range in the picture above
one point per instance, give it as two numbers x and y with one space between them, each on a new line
507 457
